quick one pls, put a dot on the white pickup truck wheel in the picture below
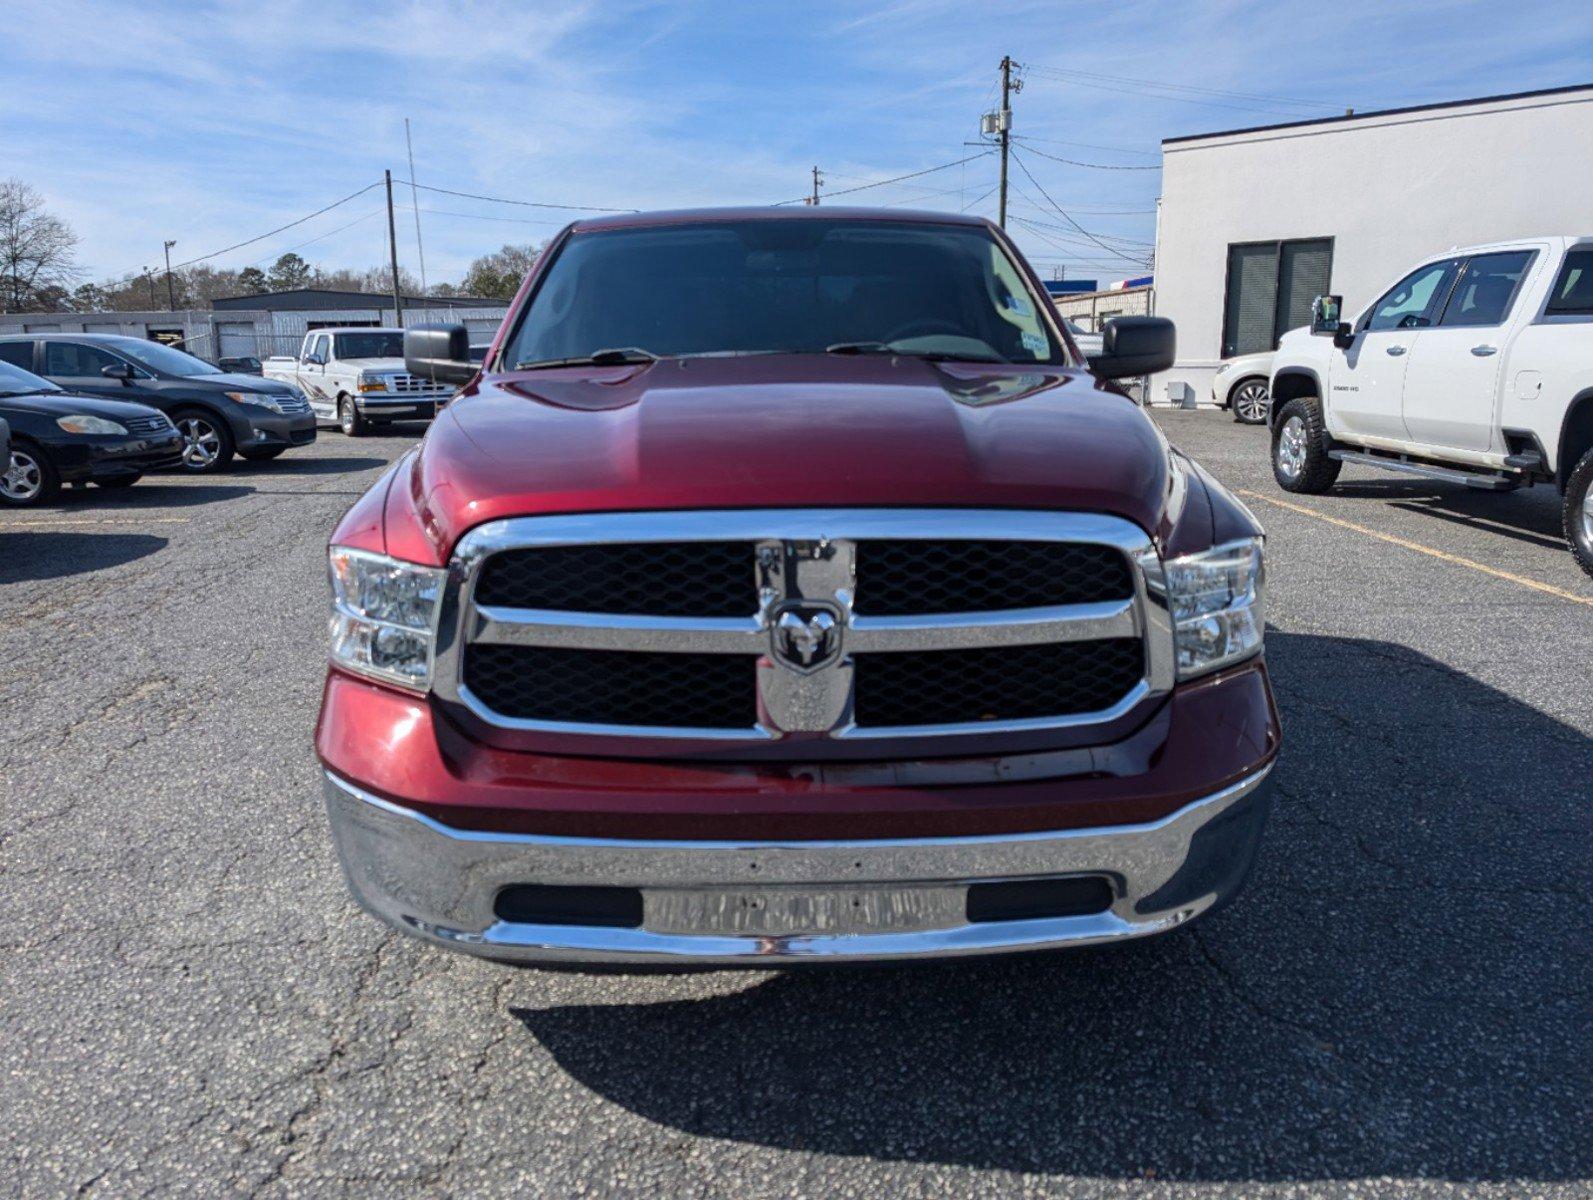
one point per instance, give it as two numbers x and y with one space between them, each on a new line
349 418
1299 449
1577 512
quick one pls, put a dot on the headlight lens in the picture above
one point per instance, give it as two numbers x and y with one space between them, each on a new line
373 383
1215 601
384 616
259 399
83 423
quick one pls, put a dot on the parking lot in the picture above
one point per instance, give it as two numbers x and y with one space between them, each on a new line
1399 1005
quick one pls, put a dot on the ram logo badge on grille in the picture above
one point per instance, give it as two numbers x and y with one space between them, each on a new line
806 637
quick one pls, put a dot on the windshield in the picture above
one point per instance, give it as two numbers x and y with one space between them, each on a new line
14 381
799 285
166 359
370 345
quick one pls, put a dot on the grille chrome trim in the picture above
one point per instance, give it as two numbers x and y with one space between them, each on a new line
796 550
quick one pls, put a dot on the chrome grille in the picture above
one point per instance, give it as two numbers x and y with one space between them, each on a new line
678 629
155 424
414 384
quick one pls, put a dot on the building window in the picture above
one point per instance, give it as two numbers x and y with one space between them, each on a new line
1270 289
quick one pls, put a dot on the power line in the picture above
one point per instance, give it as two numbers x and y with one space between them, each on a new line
882 182
1022 166
320 237
979 201
280 228
1092 146
1093 166
523 203
1192 89
1065 232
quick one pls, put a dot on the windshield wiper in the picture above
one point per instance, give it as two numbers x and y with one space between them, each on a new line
613 357
926 355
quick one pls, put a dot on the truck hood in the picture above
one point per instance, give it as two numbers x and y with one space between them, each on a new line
781 430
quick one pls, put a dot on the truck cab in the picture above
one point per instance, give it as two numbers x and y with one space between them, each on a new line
356 377
1475 366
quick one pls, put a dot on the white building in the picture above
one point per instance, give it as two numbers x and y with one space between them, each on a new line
1255 223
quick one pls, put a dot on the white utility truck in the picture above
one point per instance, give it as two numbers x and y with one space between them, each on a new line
356 377
1476 367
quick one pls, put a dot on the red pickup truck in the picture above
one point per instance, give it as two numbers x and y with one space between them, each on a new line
785 586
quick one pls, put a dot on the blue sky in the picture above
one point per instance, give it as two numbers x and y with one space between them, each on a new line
211 123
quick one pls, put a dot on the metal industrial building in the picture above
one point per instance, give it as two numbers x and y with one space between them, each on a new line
266 324
1255 223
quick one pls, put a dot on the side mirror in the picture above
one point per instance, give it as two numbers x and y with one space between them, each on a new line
120 370
1325 313
440 353
1132 346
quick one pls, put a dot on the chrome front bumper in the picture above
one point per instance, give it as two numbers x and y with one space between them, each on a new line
442 884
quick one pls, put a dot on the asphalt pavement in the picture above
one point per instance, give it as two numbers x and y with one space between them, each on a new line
1398 1006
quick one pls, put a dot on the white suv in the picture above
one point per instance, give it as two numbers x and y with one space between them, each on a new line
1476 367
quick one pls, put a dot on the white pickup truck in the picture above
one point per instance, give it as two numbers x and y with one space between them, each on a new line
356 377
1476 367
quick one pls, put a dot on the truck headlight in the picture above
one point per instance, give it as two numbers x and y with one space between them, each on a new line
384 616
1215 601
83 423
258 399
373 383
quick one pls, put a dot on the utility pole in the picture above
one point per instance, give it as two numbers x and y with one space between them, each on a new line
817 179
392 250
149 278
1004 126
171 292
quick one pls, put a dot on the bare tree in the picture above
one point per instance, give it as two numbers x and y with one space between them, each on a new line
36 250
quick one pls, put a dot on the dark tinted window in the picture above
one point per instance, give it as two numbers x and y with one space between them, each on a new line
370 345
1573 290
76 358
18 354
1486 289
1415 300
159 357
796 285
1270 289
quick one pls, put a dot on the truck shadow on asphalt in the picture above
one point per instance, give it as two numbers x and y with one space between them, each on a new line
1402 990
1531 515
52 555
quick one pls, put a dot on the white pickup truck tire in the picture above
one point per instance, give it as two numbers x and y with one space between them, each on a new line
1577 512
349 418
1300 461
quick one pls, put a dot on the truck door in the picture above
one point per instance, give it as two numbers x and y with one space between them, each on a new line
1367 379
312 373
1452 373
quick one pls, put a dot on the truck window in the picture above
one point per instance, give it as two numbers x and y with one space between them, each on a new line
794 286
369 345
1414 300
1572 294
1487 289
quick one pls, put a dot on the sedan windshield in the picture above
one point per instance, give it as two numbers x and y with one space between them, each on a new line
792 285
14 381
370 345
166 359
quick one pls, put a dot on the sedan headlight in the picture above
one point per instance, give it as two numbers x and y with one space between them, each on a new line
1215 601
83 423
258 399
384 616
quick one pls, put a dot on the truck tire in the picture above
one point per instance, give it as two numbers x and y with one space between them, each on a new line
1577 512
207 442
1300 462
349 418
